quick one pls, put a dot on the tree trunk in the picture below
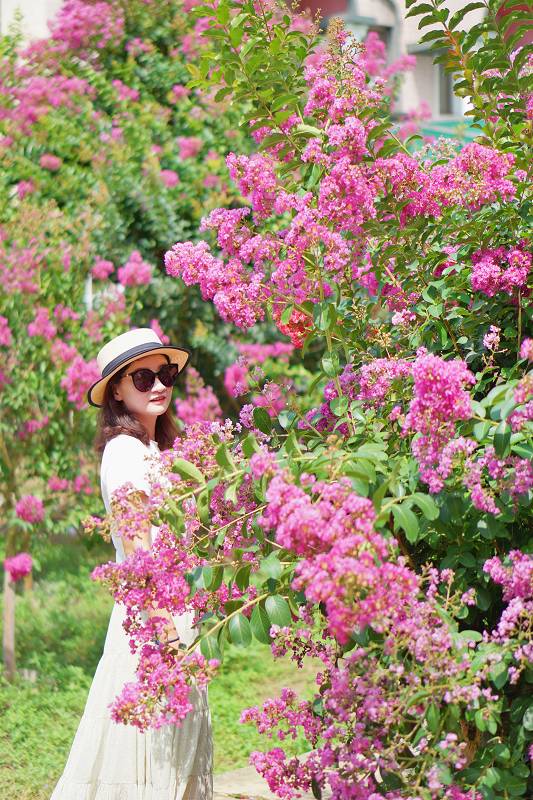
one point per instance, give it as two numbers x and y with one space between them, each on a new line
9 627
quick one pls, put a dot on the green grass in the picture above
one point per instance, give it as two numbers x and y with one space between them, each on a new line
61 628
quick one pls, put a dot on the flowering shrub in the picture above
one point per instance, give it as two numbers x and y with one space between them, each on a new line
96 120
95 182
370 523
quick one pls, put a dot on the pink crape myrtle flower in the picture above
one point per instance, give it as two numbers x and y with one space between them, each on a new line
179 93
516 576
102 269
6 337
30 508
124 92
236 379
79 377
41 325
200 403
135 271
24 188
79 24
57 484
189 146
50 162
18 566
169 178
526 349
155 326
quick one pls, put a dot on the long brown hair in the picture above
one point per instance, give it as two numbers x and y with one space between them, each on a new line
115 419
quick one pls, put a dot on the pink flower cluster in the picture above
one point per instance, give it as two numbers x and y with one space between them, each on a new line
439 401
18 566
30 508
513 475
79 377
35 96
6 336
80 25
237 295
516 576
526 349
124 92
169 178
188 146
32 426
42 325
50 162
102 269
154 579
200 402
500 270
135 271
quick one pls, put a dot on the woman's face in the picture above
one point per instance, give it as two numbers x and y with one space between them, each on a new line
146 406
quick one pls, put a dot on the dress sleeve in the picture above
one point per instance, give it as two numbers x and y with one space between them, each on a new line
124 461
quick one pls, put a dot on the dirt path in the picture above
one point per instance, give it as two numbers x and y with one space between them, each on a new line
244 784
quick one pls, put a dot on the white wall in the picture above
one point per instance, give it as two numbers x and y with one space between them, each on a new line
36 14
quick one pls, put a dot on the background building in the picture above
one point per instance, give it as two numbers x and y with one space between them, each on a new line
35 14
428 83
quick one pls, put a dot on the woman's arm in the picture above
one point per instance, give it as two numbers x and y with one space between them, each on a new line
142 541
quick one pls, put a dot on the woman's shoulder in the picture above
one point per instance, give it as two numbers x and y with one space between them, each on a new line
124 443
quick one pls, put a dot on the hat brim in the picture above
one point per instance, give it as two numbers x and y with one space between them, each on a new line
177 355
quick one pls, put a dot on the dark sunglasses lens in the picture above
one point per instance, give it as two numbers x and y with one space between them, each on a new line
143 379
168 374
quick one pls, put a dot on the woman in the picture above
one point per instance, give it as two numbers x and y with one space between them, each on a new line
110 761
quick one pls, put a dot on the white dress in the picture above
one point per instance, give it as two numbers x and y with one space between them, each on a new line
112 761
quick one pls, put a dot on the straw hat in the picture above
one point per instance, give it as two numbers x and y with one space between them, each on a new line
126 348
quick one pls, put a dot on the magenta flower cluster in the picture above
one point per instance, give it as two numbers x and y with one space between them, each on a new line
500 270
18 566
135 271
30 508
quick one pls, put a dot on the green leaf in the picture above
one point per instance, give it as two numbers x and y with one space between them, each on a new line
242 577
502 439
223 457
480 430
278 610
467 560
249 446
213 577
222 14
270 566
310 129
407 520
262 419
202 506
499 674
456 18
260 624
339 405
421 8
427 505
330 364
230 493
433 717
324 316
239 630
209 647
286 315
372 451
527 721
187 470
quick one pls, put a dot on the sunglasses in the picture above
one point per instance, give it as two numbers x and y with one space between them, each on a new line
144 378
